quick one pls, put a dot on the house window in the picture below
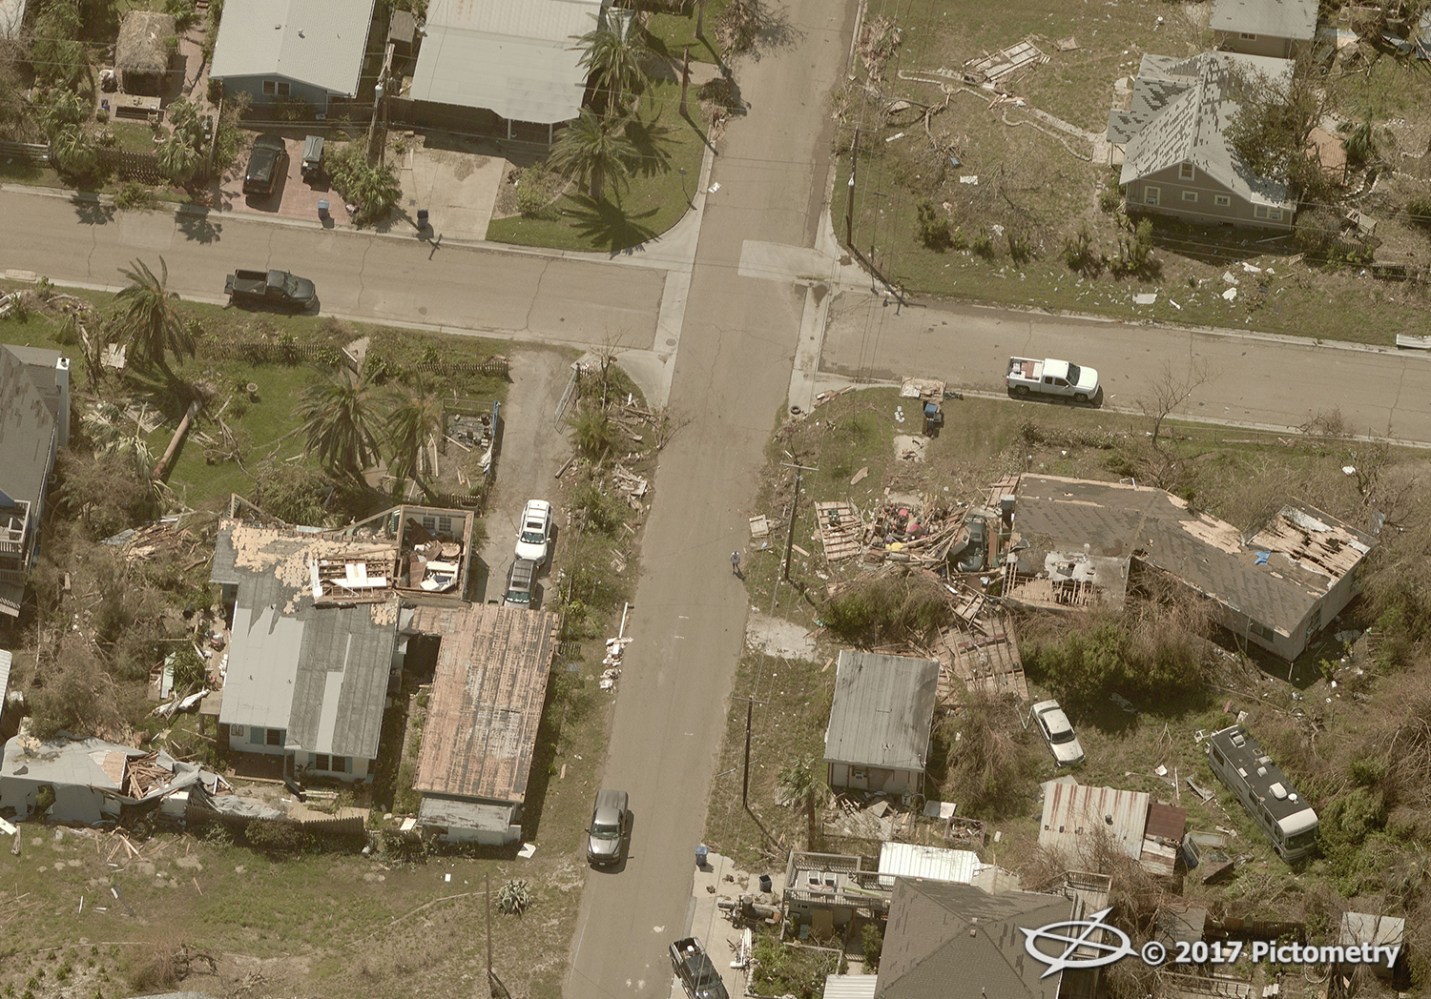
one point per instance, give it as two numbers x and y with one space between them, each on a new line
1262 631
1189 195
320 761
340 765
1270 214
275 88
273 737
1249 36
236 731
1186 171
1151 195
1221 200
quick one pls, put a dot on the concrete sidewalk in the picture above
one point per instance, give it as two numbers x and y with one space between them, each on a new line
720 880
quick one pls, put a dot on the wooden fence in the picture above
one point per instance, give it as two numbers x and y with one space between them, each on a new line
352 826
34 152
129 165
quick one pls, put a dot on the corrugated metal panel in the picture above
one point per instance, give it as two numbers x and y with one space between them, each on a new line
263 658
911 860
319 42
341 682
514 58
1073 813
850 986
1166 822
883 711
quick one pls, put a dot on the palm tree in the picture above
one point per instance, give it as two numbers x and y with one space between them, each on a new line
801 785
593 150
410 427
615 61
73 151
148 321
178 158
376 191
337 415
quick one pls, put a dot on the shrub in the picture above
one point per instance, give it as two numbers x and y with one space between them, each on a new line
887 608
1080 255
932 226
537 191
133 195
514 897
276 837
983 246
1419 208
872 940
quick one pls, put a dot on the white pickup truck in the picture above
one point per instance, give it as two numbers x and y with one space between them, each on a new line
1049 377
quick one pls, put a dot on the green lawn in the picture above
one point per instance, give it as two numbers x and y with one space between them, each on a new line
657 197
671 33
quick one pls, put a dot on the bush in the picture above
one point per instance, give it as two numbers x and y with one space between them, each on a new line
515 897
932 226
872 940
880 609
132 195
276 837
1080 254
1419 208
537 191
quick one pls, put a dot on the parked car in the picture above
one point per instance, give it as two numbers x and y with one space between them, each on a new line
276 289
1047 376
606 835
536 531
694 968
267 161
521 580
1058 732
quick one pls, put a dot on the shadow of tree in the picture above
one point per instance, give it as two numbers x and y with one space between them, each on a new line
92 212
653 145
198 229
753 28
609 226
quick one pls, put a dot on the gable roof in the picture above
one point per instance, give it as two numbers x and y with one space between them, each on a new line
939 933
1275 577
1295 19
318 672
1178 115
27 430
318 42
487 696
517 58
882 712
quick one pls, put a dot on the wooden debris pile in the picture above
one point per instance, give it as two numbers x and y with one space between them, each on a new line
910 530
144 775
841 530
980 654
161 539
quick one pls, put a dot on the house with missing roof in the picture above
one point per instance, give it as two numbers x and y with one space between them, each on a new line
480 734
34 425
313 51
516 60
940 933
1282 29
1172 145
881 722
314 629
1275 588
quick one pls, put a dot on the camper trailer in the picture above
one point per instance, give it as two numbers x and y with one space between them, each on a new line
1263 789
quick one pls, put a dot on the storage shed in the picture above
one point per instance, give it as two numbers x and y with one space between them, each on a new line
880 723
141 55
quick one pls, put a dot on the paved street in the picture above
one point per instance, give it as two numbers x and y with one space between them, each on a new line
731 379
359 274
1253 379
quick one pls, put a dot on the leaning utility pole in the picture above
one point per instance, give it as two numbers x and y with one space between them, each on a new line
494 984
745 772
850 191
794 505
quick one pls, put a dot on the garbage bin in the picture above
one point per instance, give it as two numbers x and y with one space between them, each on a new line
422 218
702 851
323 208
766 885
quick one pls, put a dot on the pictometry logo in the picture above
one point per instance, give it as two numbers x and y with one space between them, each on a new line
1086 943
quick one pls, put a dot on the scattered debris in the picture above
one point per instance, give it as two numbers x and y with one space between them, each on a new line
759 527
841 530
860 476
999 65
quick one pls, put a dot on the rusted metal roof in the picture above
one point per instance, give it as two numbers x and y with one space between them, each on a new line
486 704
1166 822
1074 813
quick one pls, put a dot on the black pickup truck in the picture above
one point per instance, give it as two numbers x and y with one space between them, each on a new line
276 289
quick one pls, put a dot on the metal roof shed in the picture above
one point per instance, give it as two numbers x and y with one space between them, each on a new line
880 722
1074 813
516 58
850 986
932 863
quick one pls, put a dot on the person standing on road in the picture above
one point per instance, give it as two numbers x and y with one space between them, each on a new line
735 564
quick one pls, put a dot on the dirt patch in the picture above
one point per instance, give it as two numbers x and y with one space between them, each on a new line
777 637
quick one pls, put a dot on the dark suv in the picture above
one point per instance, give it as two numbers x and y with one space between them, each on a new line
694 968
267 162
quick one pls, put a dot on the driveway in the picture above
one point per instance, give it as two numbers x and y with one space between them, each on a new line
534 446
457 186
293 197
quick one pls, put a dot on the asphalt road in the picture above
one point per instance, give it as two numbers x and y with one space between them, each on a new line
1251 379
379 278
730 382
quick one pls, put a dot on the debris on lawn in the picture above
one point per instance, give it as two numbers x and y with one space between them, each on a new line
841 530
992 68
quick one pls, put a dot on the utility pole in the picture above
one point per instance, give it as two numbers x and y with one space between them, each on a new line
685 79
745 773
850 191
794 505
494 984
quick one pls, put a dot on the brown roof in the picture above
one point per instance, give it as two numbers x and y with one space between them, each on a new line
143 44
1166 822
486 703
1072 812
1275 577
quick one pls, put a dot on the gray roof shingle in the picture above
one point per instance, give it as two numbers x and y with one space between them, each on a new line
1179 112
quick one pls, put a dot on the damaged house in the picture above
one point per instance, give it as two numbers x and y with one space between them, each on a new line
1073 542
881 722
314 625
89 781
